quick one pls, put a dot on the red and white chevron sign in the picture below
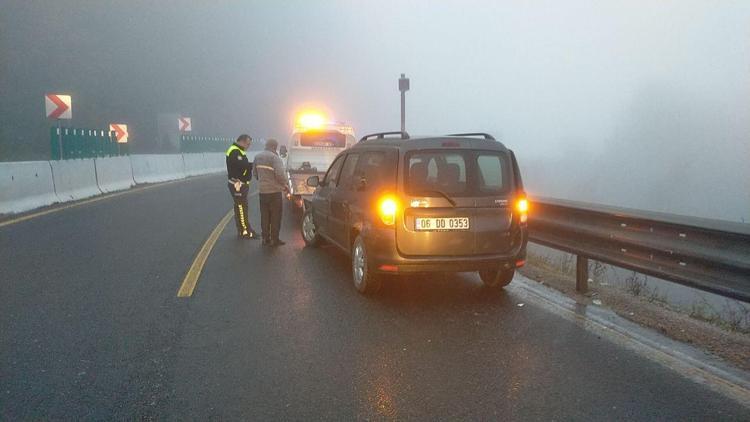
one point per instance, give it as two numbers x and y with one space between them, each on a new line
186 125
58 106
121 132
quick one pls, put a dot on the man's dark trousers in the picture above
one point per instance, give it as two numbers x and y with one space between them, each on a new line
271 206
241 218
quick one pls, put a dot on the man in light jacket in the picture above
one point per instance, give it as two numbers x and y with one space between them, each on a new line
269 171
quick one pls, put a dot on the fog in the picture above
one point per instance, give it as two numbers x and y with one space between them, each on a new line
640 104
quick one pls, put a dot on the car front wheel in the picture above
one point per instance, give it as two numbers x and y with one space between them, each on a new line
365 280
496 278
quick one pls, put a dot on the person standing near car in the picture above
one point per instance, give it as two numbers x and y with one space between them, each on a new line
269 171
239 171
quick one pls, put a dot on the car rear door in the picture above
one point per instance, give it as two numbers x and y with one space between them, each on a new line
338 220
322 198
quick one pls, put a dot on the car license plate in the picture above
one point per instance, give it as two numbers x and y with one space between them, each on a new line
445 223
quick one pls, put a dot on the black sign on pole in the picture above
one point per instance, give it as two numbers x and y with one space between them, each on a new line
403 86
403 83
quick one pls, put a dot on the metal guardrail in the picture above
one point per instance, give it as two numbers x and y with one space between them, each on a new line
710 255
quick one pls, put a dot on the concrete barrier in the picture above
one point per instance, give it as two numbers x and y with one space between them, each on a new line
25 185
153 168
32 184
113 173
195 164
216 162
74 179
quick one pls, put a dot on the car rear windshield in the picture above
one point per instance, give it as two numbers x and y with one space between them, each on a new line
457 173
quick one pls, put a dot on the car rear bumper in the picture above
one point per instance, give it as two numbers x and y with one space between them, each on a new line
384 257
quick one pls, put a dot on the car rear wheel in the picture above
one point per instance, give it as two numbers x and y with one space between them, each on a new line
309 229
365 280
496 278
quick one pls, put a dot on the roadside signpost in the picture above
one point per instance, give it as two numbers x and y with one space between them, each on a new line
403 86
121 134
185 124
58 107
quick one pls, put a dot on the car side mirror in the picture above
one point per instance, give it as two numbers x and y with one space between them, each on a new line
361 183
313 181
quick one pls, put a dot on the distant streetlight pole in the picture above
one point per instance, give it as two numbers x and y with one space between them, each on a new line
403 86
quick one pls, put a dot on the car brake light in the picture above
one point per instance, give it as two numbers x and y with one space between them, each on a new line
387 208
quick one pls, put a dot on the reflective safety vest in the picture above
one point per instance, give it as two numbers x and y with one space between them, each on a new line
231 149
235 147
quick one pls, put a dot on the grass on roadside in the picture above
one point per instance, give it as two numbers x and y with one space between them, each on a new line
732 316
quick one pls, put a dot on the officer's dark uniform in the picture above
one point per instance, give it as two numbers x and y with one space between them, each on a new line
240 169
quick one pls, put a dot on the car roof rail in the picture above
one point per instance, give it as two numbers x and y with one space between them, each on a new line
482 134
382 135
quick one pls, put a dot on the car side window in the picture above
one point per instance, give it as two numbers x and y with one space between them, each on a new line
491 174
347 172
332 176
371 166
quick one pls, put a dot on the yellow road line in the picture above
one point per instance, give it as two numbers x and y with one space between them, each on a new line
89 201
194 273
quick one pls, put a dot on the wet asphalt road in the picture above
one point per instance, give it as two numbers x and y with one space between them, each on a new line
91 328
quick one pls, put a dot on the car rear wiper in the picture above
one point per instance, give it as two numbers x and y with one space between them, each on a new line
443 194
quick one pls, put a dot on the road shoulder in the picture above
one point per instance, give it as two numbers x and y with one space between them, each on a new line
689 360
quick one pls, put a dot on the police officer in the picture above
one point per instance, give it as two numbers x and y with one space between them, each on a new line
269 170
239 171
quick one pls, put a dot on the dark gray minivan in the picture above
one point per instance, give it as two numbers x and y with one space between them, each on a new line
399 205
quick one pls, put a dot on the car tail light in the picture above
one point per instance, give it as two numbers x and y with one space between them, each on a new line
522 207
387 209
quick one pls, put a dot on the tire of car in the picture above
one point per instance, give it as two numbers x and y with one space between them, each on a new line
365 280
496 278
309 229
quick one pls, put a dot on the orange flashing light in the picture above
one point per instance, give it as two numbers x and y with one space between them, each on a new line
387 209
522 206
311 120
